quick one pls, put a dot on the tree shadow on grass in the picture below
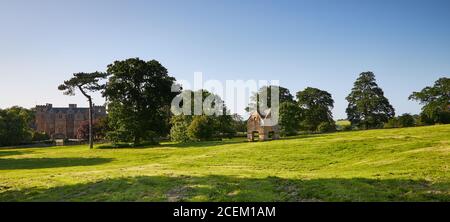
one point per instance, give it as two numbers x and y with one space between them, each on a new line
237 140
229 188
174 145
240 140
306 136
12 152
38 163
205 143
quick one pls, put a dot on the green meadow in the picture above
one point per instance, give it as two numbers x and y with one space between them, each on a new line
408 164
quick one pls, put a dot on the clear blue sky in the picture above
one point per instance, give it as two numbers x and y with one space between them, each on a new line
323 44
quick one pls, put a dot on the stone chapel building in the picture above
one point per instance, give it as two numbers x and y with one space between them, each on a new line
259 127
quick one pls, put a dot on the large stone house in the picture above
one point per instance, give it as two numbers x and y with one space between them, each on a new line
63 122
260 126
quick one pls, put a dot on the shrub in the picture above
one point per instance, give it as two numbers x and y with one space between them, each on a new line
224 126
179 130
39 136
118 136
392 123
444 117
100 129
406 120
201 128
326 127
347 128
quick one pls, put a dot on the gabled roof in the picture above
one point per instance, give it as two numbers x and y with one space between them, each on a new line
266 120
263 116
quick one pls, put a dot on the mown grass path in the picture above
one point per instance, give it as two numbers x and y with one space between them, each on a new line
410 164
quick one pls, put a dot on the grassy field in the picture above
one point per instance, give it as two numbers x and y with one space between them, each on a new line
341 124
410 164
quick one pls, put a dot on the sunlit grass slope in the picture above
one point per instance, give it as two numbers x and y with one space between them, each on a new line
410 164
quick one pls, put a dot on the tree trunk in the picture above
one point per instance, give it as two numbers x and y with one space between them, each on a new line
91 139
137 140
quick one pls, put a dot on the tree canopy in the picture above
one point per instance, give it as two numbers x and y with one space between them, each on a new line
15 126
436 101
256 100
316 106
138 95
290 115
85 82
214 122
367 105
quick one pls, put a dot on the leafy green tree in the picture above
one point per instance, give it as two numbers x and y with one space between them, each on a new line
435 100
367 105
14 126
290 116
220 125
406 120
138 96
224 125
326 127
391 123
316 106
256 100
85 82
423 119
179 129
418 120
239 124
28 115
201 128
39 136
99 127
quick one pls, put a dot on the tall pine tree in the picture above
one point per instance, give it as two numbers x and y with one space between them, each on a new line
367 105
85 82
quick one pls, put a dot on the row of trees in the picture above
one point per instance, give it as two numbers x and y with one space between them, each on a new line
367 108
311 111
404 120
138 95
